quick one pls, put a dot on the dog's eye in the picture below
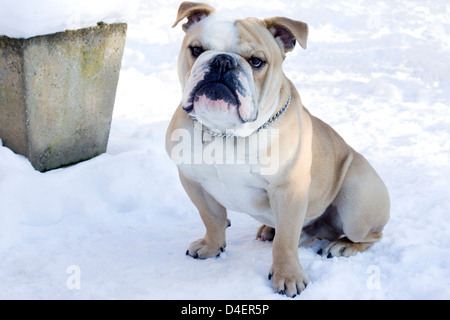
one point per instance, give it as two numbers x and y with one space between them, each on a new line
196 51
256 63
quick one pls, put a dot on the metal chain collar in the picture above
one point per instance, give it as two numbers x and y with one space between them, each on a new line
269 122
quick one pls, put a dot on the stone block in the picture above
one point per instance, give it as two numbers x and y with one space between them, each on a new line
57 93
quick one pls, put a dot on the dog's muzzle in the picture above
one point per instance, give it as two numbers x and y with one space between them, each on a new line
219 87
220 83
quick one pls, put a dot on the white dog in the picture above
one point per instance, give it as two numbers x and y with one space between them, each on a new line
235 95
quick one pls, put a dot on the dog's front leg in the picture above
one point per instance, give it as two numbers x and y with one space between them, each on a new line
213 215
286 272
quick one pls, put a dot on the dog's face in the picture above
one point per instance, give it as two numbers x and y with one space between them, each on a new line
230 70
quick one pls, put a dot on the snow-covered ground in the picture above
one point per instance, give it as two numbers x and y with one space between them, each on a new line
118 226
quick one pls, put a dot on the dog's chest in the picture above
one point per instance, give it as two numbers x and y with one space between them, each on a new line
237 187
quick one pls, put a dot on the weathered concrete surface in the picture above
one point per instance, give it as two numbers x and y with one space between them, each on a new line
57 93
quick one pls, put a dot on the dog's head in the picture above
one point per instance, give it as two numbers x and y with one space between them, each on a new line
230 70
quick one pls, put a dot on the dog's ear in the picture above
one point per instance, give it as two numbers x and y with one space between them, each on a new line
194 11
287 31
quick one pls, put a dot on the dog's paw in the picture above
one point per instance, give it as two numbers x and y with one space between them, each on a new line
289 279
200 249
265 233
343 248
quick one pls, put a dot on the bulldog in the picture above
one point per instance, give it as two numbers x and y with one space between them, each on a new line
240 110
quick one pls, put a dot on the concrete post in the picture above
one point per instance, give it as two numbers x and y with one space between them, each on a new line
57 93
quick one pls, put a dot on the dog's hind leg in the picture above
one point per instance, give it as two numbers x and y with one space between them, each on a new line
362 209
265 233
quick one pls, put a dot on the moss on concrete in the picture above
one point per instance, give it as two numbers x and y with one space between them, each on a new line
68 82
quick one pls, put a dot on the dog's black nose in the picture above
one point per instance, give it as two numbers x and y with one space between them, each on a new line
224 62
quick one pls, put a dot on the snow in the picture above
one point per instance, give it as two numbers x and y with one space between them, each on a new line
118 226
28 18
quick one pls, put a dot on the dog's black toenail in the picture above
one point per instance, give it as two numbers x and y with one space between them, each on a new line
187 252
320 251
329 255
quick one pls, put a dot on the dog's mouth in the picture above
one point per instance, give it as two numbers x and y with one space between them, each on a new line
219 96
217 91
214 96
